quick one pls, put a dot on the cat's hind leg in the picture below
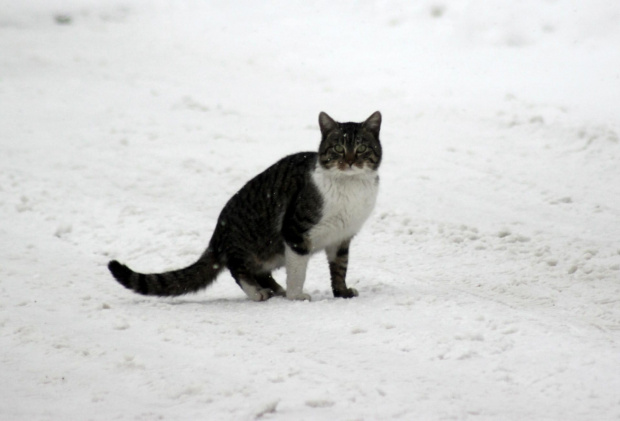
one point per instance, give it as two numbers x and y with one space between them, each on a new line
267 281
249 284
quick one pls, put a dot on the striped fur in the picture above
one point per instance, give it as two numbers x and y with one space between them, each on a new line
191 279
338 258
302 204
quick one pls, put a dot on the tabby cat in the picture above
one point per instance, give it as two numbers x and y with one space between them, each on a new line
305 203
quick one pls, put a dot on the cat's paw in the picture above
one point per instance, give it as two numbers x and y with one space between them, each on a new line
345 293
262 294
280 292
299 297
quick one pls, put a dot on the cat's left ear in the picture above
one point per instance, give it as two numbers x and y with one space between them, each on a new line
326 123
373 123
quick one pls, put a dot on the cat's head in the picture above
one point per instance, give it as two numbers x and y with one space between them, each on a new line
350 148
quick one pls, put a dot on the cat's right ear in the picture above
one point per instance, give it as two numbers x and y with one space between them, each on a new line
326 123
373 123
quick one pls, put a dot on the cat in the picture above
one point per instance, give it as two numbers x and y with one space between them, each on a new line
304 203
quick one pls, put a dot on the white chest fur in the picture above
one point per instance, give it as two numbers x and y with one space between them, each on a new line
348 200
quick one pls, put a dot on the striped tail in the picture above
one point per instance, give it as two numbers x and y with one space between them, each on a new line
178 282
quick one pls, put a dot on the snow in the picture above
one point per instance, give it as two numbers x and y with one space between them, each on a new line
489 272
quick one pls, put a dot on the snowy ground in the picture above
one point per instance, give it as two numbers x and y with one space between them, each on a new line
489 274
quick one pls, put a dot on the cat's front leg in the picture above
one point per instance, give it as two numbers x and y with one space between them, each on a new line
338 258
296 265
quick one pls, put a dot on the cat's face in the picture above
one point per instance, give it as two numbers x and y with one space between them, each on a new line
350 148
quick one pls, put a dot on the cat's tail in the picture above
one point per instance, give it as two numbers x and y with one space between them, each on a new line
177 282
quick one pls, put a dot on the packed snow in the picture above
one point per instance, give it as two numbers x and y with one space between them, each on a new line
489 272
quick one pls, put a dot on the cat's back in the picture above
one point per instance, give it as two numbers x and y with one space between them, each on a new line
286 175
252 218
269 193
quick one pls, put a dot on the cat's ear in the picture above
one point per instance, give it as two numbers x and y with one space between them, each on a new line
326 123
373 123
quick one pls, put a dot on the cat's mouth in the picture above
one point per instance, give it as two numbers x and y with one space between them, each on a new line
350 169
346 168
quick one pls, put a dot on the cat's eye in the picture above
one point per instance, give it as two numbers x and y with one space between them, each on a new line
339 148
361 148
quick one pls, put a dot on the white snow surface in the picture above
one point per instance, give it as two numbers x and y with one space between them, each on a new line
489 272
